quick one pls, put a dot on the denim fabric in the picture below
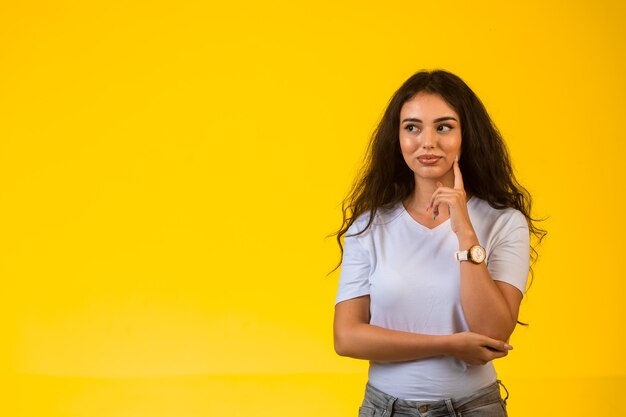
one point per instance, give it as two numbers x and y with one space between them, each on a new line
485 402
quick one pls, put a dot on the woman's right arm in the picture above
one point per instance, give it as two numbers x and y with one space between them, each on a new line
356 338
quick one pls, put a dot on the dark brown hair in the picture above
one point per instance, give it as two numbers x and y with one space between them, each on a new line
385 179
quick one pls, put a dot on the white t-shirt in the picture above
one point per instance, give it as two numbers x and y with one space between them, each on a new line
413 280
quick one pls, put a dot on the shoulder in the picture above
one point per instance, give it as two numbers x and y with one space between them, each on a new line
498 227
482 211
382 217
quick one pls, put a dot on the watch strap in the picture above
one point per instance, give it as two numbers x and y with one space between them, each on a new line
461 255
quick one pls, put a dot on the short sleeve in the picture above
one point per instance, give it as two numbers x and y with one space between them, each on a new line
355 269
509 258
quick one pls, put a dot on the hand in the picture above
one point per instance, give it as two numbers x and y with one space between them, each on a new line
476 349
456 200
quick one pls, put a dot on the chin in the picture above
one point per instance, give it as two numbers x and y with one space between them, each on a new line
430 173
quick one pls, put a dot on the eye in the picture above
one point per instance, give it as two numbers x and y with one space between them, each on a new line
444 128
412 128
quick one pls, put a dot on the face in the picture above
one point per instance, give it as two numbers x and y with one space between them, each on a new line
430 137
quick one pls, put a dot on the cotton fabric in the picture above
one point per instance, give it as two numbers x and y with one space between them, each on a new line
413 280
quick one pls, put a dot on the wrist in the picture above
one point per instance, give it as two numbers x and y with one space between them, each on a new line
467 239
448 346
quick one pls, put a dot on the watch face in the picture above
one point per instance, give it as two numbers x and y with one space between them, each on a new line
477 254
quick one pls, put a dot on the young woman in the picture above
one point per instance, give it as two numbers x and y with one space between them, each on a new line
435 256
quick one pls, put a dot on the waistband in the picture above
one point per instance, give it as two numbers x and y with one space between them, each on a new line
484 396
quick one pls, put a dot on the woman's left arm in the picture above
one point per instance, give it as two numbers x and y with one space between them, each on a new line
491 307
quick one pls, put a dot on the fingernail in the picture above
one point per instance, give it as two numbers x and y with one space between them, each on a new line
508 347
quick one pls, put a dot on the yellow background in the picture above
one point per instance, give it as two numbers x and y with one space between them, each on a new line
169 170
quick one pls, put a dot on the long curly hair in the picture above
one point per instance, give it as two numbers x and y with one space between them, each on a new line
385 179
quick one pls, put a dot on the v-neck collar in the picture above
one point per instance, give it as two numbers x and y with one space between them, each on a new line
425 228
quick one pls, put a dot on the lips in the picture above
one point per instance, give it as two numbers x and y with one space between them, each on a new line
429 159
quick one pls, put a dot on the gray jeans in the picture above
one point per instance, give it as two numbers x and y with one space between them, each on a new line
485 402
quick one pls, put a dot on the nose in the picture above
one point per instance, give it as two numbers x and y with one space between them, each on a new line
429 139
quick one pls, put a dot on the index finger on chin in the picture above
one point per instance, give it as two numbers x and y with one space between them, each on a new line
458 178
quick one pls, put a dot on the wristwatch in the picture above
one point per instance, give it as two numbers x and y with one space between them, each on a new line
476 254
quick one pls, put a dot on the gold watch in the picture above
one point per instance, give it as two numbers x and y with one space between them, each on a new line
475 254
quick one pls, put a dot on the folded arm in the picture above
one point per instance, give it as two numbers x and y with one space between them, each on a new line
356 338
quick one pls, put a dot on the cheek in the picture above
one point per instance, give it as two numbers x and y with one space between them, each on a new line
453 144
407 145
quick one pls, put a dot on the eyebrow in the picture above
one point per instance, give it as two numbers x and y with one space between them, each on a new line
437 120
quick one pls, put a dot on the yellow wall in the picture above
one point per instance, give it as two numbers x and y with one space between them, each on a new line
168 172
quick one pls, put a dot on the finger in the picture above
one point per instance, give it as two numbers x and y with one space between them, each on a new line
443 197
458 178
432 200
494 354
498 345
435 195
434 208
491 354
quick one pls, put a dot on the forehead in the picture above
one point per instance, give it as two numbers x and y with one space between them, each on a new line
425 106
